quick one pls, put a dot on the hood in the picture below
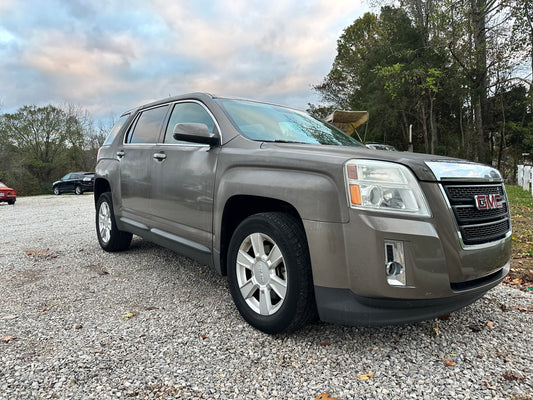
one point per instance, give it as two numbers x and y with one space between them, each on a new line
426 167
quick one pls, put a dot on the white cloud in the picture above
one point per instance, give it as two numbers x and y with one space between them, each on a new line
115 56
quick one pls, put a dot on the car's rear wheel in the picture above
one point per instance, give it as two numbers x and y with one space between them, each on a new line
269 273
11 202
56 191
110 237
78 190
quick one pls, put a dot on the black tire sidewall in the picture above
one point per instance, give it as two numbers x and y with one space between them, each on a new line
118 240
295 264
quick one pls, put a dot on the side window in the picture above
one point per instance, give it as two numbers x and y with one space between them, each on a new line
148 125
187 113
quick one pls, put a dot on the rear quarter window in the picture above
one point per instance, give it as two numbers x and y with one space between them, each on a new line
116 129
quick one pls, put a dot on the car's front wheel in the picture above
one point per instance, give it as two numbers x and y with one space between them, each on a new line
269 273
110 237
56 191
78 190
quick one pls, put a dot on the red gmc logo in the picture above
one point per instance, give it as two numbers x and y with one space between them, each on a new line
488 201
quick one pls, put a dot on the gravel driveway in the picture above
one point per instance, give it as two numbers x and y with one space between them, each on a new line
76 322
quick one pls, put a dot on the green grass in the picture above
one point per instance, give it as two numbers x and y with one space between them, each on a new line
522 219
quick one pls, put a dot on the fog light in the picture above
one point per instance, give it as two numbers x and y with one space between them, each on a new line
393 268
395 263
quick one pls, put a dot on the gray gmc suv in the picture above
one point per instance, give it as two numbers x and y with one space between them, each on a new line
305 221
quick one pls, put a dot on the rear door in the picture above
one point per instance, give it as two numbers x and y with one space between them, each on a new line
67 183
183 178
135 157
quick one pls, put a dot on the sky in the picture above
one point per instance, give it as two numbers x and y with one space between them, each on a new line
109 56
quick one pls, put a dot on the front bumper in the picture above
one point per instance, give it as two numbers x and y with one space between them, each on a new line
7 197
349 266
342 306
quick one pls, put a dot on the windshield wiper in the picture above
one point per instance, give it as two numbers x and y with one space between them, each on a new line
287 141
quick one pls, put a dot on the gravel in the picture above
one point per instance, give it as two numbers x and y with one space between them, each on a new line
79 323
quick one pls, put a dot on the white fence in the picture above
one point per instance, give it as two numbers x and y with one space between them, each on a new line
525 177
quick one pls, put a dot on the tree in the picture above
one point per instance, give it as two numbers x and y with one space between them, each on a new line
43 139
522 35
384 66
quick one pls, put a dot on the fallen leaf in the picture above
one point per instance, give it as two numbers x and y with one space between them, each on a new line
203 337
325 396
526 309
490 324
436 329
449 363
445 317
325 344
99 269
489 386
128 315
6 339
365 377
9 317
513 377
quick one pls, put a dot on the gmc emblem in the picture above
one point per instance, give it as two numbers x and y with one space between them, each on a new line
488 201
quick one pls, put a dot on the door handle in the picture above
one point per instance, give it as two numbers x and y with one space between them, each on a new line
160 156
120 153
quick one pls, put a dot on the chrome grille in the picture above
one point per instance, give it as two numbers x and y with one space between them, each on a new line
478 226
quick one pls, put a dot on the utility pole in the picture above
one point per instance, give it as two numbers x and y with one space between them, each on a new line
410 148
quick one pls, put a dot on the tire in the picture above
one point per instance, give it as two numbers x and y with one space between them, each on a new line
110 238
56 191
269 273
77 190
11 202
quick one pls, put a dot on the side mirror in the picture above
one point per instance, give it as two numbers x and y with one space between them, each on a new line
196 133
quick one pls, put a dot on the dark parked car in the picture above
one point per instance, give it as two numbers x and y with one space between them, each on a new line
303 219
7 194
77 182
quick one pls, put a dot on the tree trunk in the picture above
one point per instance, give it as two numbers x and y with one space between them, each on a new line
479 8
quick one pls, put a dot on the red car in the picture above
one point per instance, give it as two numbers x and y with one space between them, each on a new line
7 194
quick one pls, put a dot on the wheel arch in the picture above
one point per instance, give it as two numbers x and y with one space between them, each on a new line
101 185
240 207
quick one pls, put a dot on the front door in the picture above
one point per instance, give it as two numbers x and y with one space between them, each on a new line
183 179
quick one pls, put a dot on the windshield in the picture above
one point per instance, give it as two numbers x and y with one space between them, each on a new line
270 123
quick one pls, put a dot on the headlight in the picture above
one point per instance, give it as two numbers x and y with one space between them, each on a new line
384 186
86 179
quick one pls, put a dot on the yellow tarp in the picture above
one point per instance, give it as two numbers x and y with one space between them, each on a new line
347 121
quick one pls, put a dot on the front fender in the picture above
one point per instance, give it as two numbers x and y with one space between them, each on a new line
315 196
